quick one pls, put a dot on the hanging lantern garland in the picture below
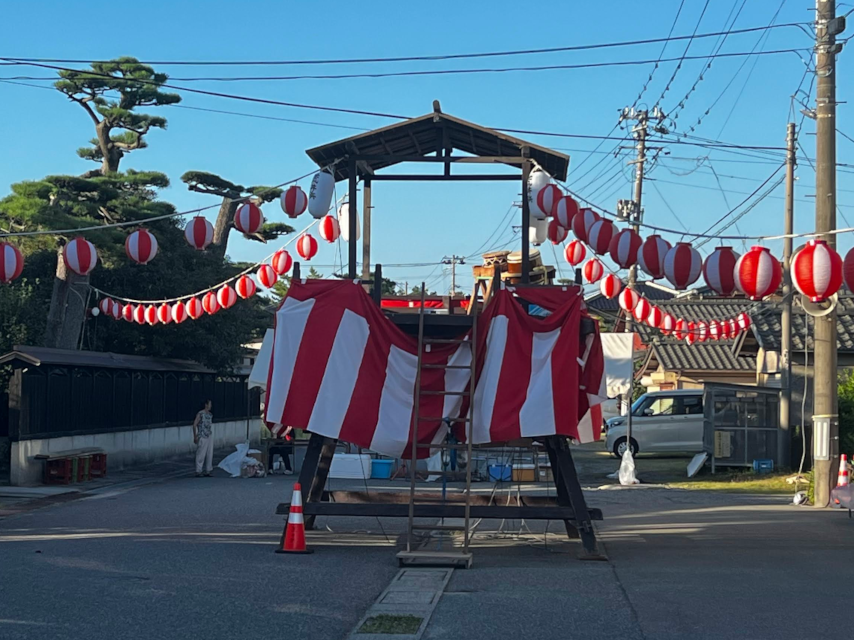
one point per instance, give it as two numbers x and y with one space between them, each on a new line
629 299
600 235
555 232
199 233
651 256
642 310
194 308
226 296
593 270
565 211
329 228
610 286
245 287
758 274
682 265
817 271
719 269
266 276
164 313
209 303
655 317
624 248
320 194
547 199
575 252
179 312
281 262
248 218
306 246
582 222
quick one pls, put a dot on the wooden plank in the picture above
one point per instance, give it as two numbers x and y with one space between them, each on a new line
475 177
449 159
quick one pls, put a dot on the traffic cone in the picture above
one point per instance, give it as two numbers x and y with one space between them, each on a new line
842 478
293 537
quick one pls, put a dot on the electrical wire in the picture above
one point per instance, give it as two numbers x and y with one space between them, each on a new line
684 56
660 55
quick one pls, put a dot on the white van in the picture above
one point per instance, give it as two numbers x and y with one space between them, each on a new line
662 422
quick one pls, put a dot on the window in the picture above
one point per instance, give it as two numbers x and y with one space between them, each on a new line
655 406
692 405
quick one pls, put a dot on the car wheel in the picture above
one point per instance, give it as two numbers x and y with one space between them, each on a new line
620 447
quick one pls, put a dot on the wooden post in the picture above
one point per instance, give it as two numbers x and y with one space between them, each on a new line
315 470
526 222
352 273
377 291
366 229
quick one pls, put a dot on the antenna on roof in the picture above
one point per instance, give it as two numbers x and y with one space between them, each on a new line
437 108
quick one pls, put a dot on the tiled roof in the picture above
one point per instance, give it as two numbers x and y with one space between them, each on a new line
652 291
766 327
679 356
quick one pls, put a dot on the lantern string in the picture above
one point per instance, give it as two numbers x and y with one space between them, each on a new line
211 288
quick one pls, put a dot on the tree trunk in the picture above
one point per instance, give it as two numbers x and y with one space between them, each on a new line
112 154
224 222
67 308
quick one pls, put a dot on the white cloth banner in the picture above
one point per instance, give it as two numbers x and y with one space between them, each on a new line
618 349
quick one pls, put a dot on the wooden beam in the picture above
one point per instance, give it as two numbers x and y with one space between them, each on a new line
395 158
366 229
475 177
354 211
526 223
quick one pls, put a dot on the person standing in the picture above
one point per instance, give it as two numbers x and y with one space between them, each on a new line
203 437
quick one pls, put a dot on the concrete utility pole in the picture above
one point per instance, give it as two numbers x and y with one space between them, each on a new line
825 410
784 440
453 261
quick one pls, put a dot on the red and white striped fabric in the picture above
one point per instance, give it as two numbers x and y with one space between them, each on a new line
226 296
151 315
329 228
281 262
565 210
547 198
248 218
716 331
199 233
209 303
680 330
593 270
758 274
80 256
642 310
575 252
719 270
600 235
164 314
743 321
266 276
682 265
817 271
628 299
582 222
702 331
245 287
141 246
555 232
651 256
294 201
127 312
139 314
668 324
624 248
655 317
105 306
306 246
610 286
340 369
194 308
11 262
179 312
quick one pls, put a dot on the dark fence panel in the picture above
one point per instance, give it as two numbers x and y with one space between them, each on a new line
58 400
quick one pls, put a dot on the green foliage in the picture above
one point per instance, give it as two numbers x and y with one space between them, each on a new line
416 291
389 287
846 412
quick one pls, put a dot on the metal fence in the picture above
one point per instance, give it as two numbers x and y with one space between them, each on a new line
53 401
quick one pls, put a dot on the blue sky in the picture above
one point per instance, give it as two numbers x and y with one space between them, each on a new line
421 222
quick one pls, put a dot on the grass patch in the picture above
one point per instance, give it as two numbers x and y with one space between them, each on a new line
741 482
386 623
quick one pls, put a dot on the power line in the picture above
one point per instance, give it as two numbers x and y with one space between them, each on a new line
660 55
684 55
259 116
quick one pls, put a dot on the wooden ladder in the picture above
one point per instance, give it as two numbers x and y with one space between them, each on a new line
458 555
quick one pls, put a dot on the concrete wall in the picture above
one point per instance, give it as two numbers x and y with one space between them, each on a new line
126 448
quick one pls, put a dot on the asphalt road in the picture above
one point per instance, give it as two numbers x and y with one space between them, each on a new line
187 558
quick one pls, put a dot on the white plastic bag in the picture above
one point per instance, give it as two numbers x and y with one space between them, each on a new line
627 469
234 463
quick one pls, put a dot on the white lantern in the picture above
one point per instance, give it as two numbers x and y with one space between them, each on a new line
344 222
320 194
538 231
536 181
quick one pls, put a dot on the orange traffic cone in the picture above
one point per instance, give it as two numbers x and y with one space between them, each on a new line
842 478
293 537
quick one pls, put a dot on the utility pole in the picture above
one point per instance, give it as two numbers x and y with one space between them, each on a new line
784 437
825 410
454 260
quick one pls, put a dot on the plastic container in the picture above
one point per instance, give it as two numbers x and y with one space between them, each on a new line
351 466
763 466
524 473
381 469
500 472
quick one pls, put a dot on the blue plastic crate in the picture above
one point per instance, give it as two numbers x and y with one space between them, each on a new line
500 472
381 469
763 466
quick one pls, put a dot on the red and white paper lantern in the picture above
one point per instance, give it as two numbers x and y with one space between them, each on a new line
293 201
702 331
716 331
610 286
127 312
668 324
565 210
555 232
139 314
105 306
179 312
848 269
624 248
209 303
266 276
655 317
642 309
682 265
320 194
226 296
245 287
732 328
680 329
600 235
116 310
151 315
194 308
691 333
80 256
582 222
743 321
651 256
575 252
306 246
593 270
199 233
547 198
629 299
758 274
164 314
537 181
719 270
141 246
329 228
281 262
248 218
11 262
817 271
